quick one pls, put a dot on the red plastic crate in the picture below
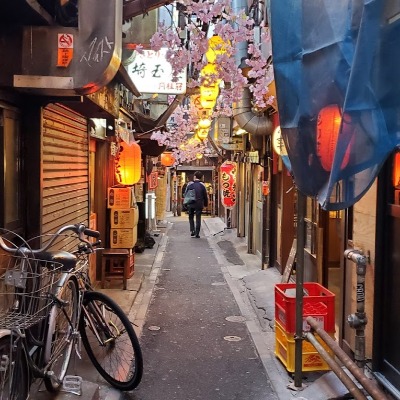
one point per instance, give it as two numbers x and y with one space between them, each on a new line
318 302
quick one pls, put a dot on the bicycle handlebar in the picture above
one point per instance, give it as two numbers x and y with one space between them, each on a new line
79 229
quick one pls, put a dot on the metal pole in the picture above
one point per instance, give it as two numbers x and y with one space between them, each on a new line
344 378
298 362
357 372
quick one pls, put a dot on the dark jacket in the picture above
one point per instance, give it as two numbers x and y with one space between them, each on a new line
201 194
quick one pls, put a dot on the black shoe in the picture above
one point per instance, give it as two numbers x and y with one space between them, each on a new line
197 236
192 233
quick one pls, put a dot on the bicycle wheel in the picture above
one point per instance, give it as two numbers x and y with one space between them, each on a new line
14 370
111 342
63 324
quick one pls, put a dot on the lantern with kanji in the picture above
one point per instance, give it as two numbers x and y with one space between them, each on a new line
128 164
330 120
228 184
167 159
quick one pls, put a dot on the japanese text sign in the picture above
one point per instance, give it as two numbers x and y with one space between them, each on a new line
228 184
152 73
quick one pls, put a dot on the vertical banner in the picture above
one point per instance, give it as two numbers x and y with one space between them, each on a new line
228 184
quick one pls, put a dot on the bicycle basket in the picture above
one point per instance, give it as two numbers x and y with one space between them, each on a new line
25 290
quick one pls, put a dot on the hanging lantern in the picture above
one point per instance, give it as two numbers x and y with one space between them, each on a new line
202 133
204 123
228 184
199 156
396 171
167 159
216 46
209 92
210 74
128 164
208 104
277 142
328 128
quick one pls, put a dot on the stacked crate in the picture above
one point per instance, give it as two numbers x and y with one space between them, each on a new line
319 303
124 216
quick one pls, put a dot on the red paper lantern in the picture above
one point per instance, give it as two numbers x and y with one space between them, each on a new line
128 164
228 184
167 159
328 127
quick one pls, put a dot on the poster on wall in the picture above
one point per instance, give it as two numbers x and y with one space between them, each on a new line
228 184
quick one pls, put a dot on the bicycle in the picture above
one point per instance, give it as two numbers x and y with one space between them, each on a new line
61 309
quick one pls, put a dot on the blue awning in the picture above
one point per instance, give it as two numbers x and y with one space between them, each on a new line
338 54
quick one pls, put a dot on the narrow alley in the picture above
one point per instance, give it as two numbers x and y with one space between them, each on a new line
195 342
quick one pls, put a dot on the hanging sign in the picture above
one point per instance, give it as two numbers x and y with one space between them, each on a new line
153 180
65 49
228 184
152 73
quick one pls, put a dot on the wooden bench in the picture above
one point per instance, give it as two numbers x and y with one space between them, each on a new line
116 264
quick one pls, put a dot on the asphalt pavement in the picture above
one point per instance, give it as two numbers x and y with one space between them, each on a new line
204 312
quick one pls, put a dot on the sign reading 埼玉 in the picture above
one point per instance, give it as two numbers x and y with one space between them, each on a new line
152 73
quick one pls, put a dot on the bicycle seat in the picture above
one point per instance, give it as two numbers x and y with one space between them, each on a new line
67 260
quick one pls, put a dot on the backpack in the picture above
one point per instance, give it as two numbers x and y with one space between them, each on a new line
190 196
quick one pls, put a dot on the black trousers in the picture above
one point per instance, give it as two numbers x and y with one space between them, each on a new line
192 212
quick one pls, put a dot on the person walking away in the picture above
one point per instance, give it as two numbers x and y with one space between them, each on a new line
196 208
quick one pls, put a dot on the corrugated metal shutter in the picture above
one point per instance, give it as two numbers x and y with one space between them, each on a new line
65 168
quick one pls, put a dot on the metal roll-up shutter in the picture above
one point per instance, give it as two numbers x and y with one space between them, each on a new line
65 168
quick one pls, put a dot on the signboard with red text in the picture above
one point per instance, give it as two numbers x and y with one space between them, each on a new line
228 184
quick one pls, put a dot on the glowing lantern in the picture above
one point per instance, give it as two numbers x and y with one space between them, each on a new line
199 156
208 95
228 184
277 142
328 127
209 92
208 103
167 159
210 74
128 164
396 171
216 46
204 123
202 133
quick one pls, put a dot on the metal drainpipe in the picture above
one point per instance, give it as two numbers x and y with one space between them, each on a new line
358 320
356 371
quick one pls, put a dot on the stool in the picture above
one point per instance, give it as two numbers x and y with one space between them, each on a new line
121 256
